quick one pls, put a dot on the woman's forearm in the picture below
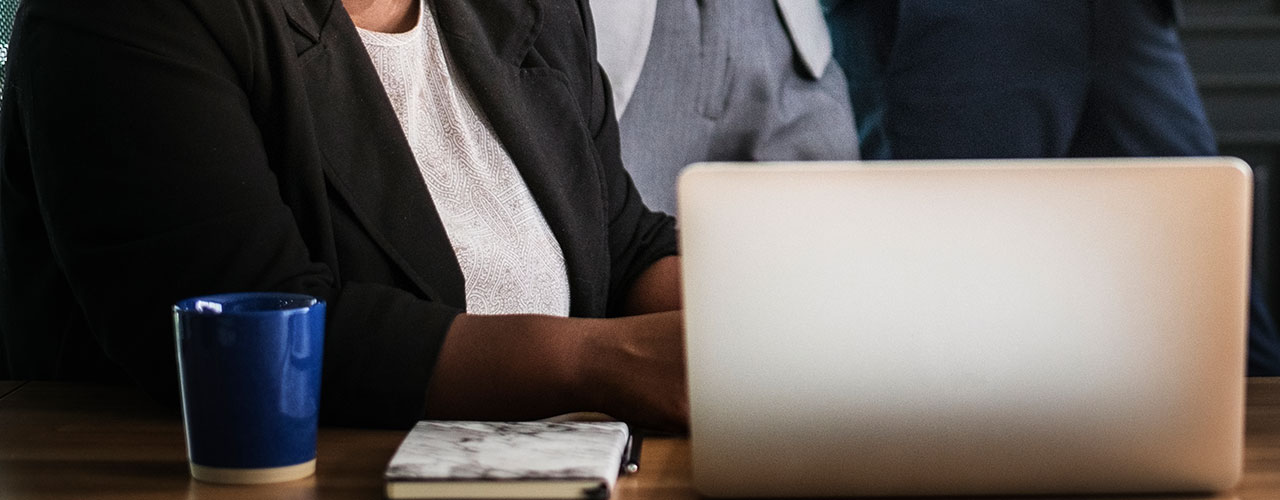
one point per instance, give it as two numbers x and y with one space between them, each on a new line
518 367
508 367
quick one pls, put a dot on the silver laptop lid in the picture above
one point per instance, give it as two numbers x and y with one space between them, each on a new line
969 327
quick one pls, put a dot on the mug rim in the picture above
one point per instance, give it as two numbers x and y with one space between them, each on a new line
190 305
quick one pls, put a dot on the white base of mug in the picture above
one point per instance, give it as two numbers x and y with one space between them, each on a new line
228 475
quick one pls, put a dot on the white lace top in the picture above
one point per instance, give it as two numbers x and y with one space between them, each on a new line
510 260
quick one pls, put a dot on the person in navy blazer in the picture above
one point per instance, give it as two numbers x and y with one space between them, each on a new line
152 150
1019 78
1027 79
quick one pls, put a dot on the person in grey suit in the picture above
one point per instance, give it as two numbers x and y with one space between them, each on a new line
719 80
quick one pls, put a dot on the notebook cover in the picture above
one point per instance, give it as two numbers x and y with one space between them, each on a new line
504 452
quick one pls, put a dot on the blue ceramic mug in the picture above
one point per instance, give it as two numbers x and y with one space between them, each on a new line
250 370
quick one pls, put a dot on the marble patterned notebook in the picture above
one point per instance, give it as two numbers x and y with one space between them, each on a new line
444 459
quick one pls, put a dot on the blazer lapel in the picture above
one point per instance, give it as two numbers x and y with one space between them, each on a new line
1175 11
536 118
366 155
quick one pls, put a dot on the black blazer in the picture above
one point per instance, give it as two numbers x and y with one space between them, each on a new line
159 149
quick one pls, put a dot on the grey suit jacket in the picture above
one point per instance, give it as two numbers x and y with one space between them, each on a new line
720 80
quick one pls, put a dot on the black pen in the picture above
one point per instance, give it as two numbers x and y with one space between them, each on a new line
632 464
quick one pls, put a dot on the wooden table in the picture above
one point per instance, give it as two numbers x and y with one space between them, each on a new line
73 441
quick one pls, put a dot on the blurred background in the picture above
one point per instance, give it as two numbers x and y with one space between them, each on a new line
1234 50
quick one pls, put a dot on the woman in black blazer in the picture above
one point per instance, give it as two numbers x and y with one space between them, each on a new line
159 149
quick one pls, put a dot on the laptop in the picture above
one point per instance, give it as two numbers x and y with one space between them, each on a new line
966 327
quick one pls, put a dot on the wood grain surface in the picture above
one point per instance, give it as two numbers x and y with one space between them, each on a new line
73 441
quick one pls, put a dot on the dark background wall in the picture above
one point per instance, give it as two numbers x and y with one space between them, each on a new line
1234 49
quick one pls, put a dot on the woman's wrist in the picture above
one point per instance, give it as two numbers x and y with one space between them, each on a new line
592 378
633 370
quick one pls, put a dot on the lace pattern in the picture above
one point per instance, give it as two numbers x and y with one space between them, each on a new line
510 260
